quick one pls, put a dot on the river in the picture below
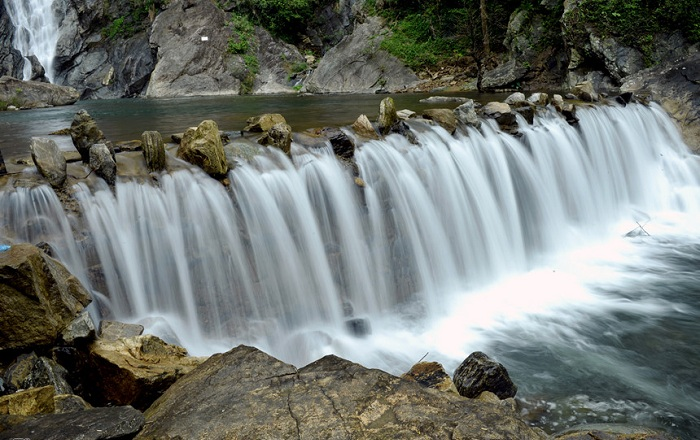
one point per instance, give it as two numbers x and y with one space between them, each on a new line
570 255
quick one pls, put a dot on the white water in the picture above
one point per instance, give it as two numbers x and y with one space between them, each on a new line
460 244
36 32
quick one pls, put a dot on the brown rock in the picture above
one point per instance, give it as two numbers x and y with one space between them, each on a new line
264 122
431 375
443 116
203 147
28 402
364 128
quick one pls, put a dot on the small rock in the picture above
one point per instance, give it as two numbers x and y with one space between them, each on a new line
82 327
585 91
3 169
342 145
466 114
113 330
503 114
102 162
32 371
443 99
358 327
264 122
85 133
539 98
153 150
387 115
515 98
479 373
406 114
28 402
280 136
557 100
431 375
364 128
49 160
68 403
444 117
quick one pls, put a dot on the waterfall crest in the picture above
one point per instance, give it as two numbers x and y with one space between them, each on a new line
294 250
36 32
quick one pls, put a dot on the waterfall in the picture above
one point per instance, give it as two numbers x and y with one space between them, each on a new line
36 32
294 251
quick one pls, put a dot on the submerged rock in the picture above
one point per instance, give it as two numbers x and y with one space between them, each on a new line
479 373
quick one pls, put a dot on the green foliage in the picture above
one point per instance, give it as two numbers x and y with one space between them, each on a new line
244 43
286 19
134 20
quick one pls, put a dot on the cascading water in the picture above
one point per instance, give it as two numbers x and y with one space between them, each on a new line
36 32
470 242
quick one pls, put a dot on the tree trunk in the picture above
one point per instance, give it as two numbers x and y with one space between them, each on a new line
485 28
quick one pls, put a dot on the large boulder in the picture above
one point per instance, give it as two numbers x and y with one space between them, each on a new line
358 65
479 373
191 39
35 94
466 114
135 371
246 393
49 160
39 298
84 133
202 147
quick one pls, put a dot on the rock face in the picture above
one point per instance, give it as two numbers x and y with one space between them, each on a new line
135 371
34 94
275 58
202 146
49 160
358 65
479 373
191 40
84 133
153 150
677 87
38 297
11 60
245 393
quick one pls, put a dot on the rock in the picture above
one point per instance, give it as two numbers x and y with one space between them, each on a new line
274 58
466 114
280 136
188 65
102 162
263 123
443 116
359 327
444 99
85 133
503 76
49 160
32 371
387 115
68 403
503 114
28 402
343 146
479 373
364 128
431 375
676 86
114 330
38 71
568 110
539 98
515 98
406 114
112 423
11 60
557 100
246 393
526 111
38 298
611 431
82 327
585 92
153 150
34 94
358 65
203 147
135 371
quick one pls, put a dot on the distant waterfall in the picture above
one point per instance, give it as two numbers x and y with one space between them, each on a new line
36 32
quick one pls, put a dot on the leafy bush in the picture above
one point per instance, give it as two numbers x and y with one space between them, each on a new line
286 19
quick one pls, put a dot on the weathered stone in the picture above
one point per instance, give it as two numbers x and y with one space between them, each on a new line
28 402
82 327
568 110
504 75
611 431
114 330
38 298
466 114
585 92
102 162
111 423
406 114
280 136
479 373
503 114
343 146
153 150
264 122
539 98
515 98
203 147
443 116
49 160
85 133
329 398
526 111
363 127
68 403
32 371
135 371
34 94
387 115
431 375
274 58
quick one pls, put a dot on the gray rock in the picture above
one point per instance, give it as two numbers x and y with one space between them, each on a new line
503 114
275 58
406 114
32 371
611 431
479 373
153 150
202 147
113 330
444 99
329 398
515 98
186 64
503 76
82 327
466 114
539 98
110 423
343 146
49 160
38 298
585 92
68 403
84 133
279 136
358 65
11 61
387 115
38 72
102 162
34 94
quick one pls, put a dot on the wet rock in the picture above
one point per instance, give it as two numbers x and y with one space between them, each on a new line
112 423
503 114
3 168
444 99
479 373
611 431
68 403
364 128
343 146
274 58
515 98
103 163
49 160
431 375
280 136
153 150
406 114
568 110
527 111
329 398
203 147
28 402
82 327
443 116
585 92
358 327
85 133
539 98
135 371
34 94
466 114
32 371
387 115
114 330
557 100
39 297
263 123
